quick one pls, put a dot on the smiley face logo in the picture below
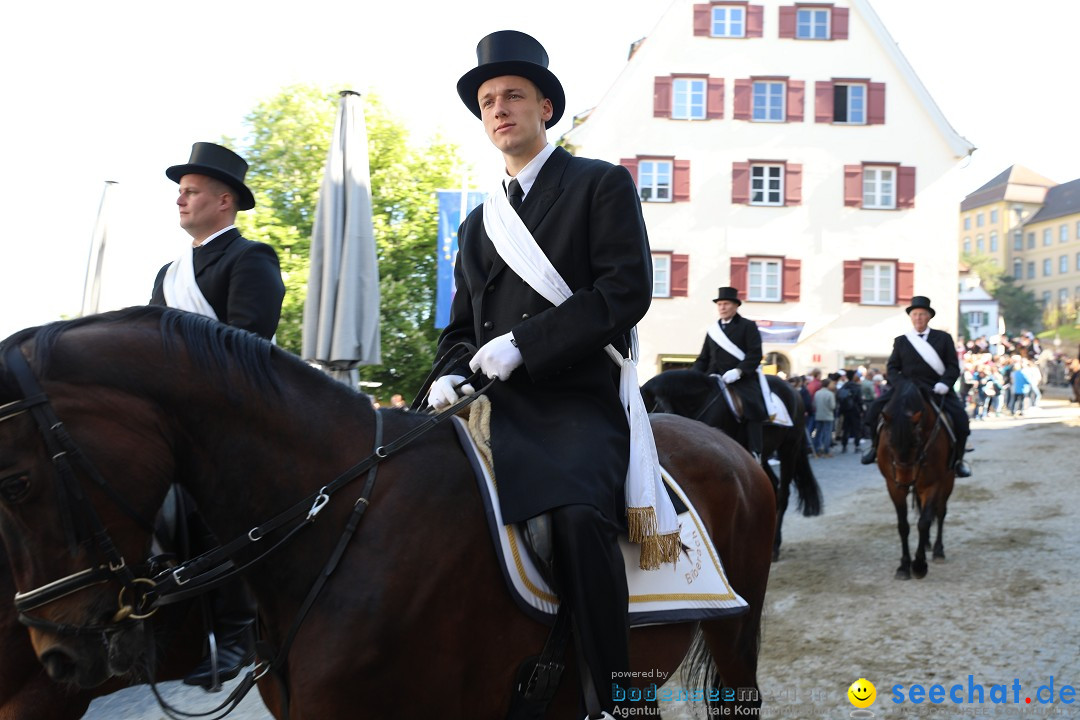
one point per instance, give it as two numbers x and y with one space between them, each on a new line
862 693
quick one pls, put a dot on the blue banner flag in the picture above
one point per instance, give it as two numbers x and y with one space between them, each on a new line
454 205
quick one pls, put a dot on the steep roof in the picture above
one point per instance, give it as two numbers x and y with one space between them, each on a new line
1061 200
1015 184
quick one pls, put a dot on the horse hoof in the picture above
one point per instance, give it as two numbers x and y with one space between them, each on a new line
918 572
776 556
939 559
903 575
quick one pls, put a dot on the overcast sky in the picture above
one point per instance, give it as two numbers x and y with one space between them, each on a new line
118 90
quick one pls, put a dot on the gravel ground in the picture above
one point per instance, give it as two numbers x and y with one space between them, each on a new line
1002 609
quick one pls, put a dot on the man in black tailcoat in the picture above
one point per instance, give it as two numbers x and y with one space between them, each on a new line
237 282
559 433
914 357
738 373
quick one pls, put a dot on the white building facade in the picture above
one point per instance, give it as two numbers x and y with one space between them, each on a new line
788 150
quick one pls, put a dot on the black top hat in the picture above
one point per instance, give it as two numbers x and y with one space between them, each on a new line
920 301
220 163
728 293
509 52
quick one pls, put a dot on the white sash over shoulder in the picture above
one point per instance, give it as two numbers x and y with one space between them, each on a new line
926 350
650 515
180 289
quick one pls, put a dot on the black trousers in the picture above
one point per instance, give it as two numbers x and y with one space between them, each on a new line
588 568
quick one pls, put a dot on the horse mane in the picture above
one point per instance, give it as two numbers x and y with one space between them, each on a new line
905 402
215 348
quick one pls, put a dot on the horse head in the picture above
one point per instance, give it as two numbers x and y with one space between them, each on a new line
905 414
90 440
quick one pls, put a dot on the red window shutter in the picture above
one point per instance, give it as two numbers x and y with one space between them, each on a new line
853 185
681 189
755 21
792 279
744 91
905 282
740 183
853 281
702 20
662 96
796 94
840 23
905 187
823 102
714 103
875 104
787 22
792 184
680 275
738 274
631 164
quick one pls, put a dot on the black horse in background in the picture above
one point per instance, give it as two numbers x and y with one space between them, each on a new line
695 395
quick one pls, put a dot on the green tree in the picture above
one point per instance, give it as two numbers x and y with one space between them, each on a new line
288 140
1018 306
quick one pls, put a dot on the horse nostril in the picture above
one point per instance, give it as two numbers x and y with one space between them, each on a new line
59 663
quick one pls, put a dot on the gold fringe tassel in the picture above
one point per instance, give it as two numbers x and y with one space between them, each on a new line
656 549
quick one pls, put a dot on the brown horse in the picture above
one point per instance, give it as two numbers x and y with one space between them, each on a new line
27 692
415 622
914 456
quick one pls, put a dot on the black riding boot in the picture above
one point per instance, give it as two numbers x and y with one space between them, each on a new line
231 639
870 456
754 438
961 468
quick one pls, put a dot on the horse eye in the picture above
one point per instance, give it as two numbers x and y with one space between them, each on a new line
15 488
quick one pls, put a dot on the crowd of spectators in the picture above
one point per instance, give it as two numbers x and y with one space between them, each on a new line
998 379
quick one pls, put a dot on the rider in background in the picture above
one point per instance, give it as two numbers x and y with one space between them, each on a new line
927 358
739 374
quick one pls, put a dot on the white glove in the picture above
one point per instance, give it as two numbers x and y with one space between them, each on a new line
497 358
732 375
941 388
442 393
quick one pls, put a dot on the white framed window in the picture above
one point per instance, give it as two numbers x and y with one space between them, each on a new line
1078 261
993 217
728 21
1031 270
661 275
1048 237
976 318
878 283
763 279
993 241
1063 264
1063 296
1063 233
1018 268
1047 264
766 184
980 246
1018 240
967 223
812 24
1045 298
978 220
688 99
654 180
1078 229
768 101
879 187
967 245
1031 240
849 105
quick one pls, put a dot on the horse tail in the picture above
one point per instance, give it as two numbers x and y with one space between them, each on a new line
698 668
810 501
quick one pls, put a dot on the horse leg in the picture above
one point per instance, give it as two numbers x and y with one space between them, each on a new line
939 547
926 518
782 488
900 503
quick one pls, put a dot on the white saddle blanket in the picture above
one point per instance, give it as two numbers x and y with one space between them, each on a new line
777 411
695 589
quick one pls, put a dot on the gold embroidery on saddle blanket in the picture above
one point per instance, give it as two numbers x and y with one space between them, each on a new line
698 590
